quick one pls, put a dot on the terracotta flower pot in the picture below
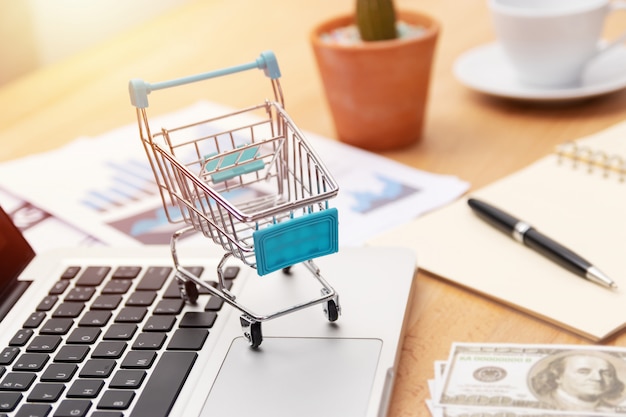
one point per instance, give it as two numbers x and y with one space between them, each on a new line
377 91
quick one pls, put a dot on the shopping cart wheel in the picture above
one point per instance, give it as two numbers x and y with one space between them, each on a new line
287 270
331 310
252 331
190 292
256 336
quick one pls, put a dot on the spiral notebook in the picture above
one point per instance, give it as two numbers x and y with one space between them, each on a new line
577 196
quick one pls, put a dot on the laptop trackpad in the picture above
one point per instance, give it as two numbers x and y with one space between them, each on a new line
301 377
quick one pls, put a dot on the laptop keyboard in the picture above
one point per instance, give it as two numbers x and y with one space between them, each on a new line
106 342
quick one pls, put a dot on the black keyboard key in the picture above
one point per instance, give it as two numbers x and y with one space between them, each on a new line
59 372
139 359
17 381
231 272
21 337
85 388
32 362
107 414
59 287
84 335
9 400
34 410
97 368
204 290
141 298
109 350
214 304
128 272
164 385
159 324
44 344
127 379
120 331
93 276
72 353
188 339
70 272
149 341
195 270
131 315
95 318
227 284
154 278
117 286
204 319
106 302
68 309
56 326
116 400
169 307
80 294
172 290
47 303
73 408
8 355
34 320
46 393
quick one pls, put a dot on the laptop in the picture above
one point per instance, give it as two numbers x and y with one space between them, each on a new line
103 332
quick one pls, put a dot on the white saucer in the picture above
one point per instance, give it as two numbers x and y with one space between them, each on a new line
487 70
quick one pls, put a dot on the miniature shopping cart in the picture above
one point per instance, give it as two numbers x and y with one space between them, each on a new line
250 183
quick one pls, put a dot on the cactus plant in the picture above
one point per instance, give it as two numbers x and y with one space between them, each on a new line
376 19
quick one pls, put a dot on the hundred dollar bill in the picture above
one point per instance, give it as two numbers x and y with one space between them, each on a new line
533 380
472 412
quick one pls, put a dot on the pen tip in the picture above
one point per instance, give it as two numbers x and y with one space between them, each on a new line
595 275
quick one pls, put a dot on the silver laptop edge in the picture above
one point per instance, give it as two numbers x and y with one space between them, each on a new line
374 285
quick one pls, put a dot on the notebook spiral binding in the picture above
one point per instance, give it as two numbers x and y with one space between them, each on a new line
592 159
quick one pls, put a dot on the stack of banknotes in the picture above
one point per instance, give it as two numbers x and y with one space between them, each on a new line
511 380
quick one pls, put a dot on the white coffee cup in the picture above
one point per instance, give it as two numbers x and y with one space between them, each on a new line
550 42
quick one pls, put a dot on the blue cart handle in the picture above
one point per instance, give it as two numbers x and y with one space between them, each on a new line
139 89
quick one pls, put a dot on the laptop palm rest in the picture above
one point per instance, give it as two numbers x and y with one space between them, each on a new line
301 377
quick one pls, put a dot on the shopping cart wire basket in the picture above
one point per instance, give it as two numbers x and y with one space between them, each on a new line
252 185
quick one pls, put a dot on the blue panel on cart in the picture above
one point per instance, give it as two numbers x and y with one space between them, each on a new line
296 240
244 162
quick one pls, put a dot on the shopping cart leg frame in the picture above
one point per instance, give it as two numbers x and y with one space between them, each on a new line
250 322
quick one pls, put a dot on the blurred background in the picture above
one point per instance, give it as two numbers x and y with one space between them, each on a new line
36 33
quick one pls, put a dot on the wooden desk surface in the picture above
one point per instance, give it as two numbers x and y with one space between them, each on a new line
469 135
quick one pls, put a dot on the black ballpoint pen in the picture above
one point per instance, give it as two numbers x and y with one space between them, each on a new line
529 236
